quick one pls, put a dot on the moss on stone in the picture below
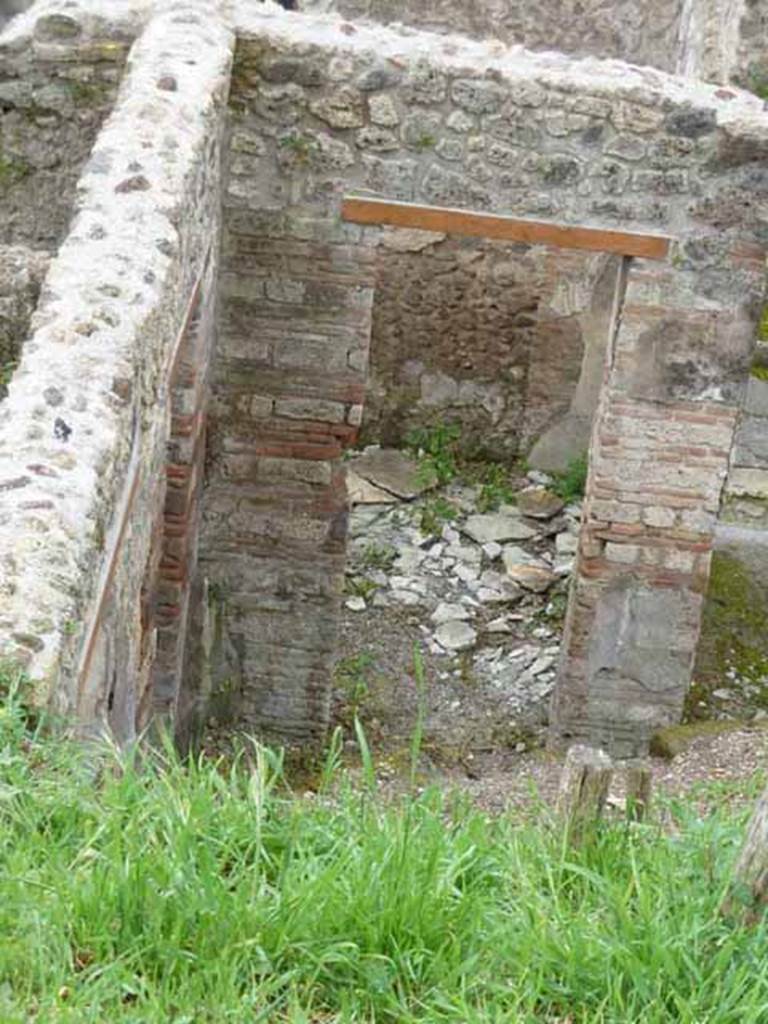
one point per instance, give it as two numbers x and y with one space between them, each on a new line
762 330
11 171
734 635
89 94
676 739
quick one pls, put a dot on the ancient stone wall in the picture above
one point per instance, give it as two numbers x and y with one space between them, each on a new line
482 334
21 275
642 33
319 111
289 381
58 81
103 433
85 428
732 660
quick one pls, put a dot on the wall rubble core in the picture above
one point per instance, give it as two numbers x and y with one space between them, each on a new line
172 490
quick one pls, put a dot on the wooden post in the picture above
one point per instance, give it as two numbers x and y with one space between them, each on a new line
639 789
748 894
583 789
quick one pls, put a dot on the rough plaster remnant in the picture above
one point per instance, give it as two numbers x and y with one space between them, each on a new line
73 570
646 33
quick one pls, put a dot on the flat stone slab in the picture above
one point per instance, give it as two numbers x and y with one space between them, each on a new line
362 492
393 471
450 613
455 636
526 571
497 528
539 503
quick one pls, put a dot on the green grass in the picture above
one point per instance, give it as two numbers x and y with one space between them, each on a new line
572 481
201 892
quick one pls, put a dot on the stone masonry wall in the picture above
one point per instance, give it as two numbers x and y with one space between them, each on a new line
478 333
59 76
21 276
322 110
734 646
84 430
295 308
642 33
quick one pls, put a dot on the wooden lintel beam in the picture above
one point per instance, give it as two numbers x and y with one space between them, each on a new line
359 210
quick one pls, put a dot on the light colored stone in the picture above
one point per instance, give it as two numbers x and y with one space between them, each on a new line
450 613
751 483
501 625
355 604
492 551
391 470
526 571
409 240
383 111
456 636
539 503
497 528
541 665
361 492
566 543
466 573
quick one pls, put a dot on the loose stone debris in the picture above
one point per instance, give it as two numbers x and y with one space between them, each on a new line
484 592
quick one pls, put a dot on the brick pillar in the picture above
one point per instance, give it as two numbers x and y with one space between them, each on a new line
659 457
294 331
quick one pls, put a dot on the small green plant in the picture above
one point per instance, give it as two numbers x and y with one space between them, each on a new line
436 448
435 513
572 481
352 677
553 613
495 488
6 372
301 146
361 586
88 94
417 736
378 556
758 84
426 141
12 170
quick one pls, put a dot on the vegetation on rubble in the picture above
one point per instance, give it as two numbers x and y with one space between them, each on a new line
762 331
759 367
496 487
89 94
6 372
669 743
436 512
379 556
572 481
201 891
11 170
436 447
